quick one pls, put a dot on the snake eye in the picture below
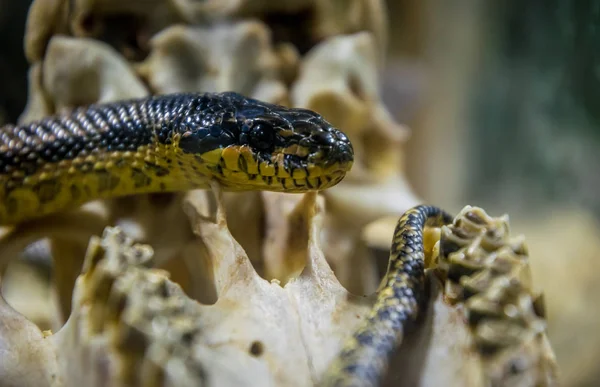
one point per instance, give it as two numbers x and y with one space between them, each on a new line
262 136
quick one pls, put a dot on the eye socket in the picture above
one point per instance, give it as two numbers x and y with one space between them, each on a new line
262 136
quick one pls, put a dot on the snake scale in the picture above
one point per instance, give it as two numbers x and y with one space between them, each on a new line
363 359
183 141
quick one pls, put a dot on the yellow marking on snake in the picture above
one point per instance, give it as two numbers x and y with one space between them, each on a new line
69 184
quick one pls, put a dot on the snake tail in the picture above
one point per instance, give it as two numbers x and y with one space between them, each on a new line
364 358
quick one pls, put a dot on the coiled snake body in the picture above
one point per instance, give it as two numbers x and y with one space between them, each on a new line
183 141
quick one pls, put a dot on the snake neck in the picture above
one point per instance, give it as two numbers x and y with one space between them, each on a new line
97 152
67 185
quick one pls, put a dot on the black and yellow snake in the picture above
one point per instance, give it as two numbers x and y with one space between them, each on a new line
166 143
363 360
179 142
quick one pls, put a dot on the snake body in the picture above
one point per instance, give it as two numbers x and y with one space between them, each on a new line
364 357
165 143
178 142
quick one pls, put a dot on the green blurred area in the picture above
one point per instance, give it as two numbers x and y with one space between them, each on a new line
517 85
535 115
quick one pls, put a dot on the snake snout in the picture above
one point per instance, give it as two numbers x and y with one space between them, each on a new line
336 147
343 153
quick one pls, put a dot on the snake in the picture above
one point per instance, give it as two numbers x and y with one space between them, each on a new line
183 141
165 143
364 358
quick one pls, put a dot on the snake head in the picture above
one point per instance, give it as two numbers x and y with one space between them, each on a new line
249 144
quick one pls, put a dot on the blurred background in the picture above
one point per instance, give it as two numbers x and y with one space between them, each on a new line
503 103
504 113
